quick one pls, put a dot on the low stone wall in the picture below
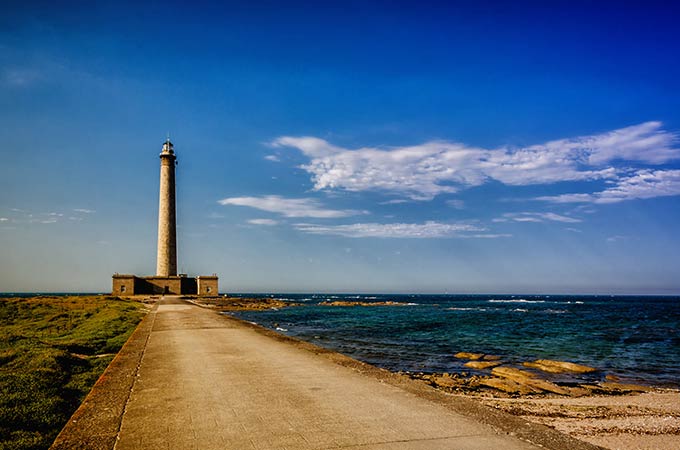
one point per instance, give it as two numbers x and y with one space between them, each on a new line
95 424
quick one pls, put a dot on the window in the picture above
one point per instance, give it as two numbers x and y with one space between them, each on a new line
122 288
208 289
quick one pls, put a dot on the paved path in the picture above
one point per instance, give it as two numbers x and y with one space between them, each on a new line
207 382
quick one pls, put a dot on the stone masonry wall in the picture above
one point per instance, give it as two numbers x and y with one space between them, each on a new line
167 234
207 285
123 285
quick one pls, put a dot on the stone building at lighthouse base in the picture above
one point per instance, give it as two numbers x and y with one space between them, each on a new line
172 285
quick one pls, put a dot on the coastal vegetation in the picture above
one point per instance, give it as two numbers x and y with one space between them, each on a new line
52 351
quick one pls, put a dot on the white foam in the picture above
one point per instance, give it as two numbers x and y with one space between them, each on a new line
555 311
519 300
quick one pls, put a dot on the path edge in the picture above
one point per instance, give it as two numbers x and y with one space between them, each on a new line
96 423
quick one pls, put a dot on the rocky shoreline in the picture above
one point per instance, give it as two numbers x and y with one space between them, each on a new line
261 303
226 303
355 303
607 413
508 380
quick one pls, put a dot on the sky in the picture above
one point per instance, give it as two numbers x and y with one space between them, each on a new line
373 146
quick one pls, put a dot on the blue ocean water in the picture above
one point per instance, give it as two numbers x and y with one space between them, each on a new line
633 337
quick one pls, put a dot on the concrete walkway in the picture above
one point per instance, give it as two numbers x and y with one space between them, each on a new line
206 381
210 383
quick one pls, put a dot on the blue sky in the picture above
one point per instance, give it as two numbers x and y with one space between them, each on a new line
344 146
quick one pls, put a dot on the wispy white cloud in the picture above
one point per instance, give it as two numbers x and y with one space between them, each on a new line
397 201
423 171
429 229
486 236
417 172
273 158
268 222
617 238
568 198
642 184
20 77
645 142
22 216
584 209
290 207
536 217
456 203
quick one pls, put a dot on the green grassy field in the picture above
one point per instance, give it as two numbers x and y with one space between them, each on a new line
52 350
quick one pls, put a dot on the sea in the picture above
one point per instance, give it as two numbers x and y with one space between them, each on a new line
633 338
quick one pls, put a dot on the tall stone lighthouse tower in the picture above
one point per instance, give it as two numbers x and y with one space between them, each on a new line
166 280
166 262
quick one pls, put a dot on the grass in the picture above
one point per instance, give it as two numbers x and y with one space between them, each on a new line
52 351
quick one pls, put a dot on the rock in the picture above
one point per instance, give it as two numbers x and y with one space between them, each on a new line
549 369
466 355
529 380
624 387
610 377
507 385
482 364
244 304
491 358
351 303
547 386
472 382
550 366
444 381
580 391
511 373
594 388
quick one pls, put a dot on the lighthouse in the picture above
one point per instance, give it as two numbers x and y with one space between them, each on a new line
166 280
166 260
